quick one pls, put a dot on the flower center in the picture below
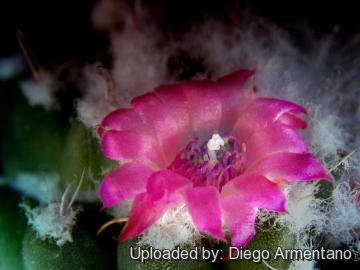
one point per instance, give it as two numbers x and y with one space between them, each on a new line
214 163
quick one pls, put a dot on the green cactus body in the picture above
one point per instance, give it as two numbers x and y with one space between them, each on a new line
12 227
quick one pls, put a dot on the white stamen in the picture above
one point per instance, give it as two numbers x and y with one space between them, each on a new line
212 155
215 142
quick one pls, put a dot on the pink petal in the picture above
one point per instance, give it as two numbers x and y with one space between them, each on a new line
261 113
164 191
239 217
273 139
168 183
290 167
128 146
125 119
233 96
144 213
292 120
161 118
175 101
204 107
256 190
124 182
203 204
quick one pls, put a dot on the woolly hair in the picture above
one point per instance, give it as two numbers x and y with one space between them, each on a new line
303 265
95 104
343 216
174 228
11 66
54 220
305 217
50 223
40 93
120 210
33 185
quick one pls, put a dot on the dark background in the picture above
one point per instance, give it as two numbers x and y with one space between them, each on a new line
58 31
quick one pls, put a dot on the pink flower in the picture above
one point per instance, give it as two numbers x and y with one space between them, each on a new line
209 145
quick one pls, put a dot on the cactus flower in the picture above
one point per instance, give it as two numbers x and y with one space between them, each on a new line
210 145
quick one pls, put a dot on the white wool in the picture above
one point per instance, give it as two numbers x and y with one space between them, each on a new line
343 216
11 66
174 228
303 208
40 92
303 265
49 222
41 186
325 135
96 103
54 220
305 217
139 66
120 210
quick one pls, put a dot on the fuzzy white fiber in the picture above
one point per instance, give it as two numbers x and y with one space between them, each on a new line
11 66
96 103
40 92
175 228
43 187
343 216
50 223
120 210
304 218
